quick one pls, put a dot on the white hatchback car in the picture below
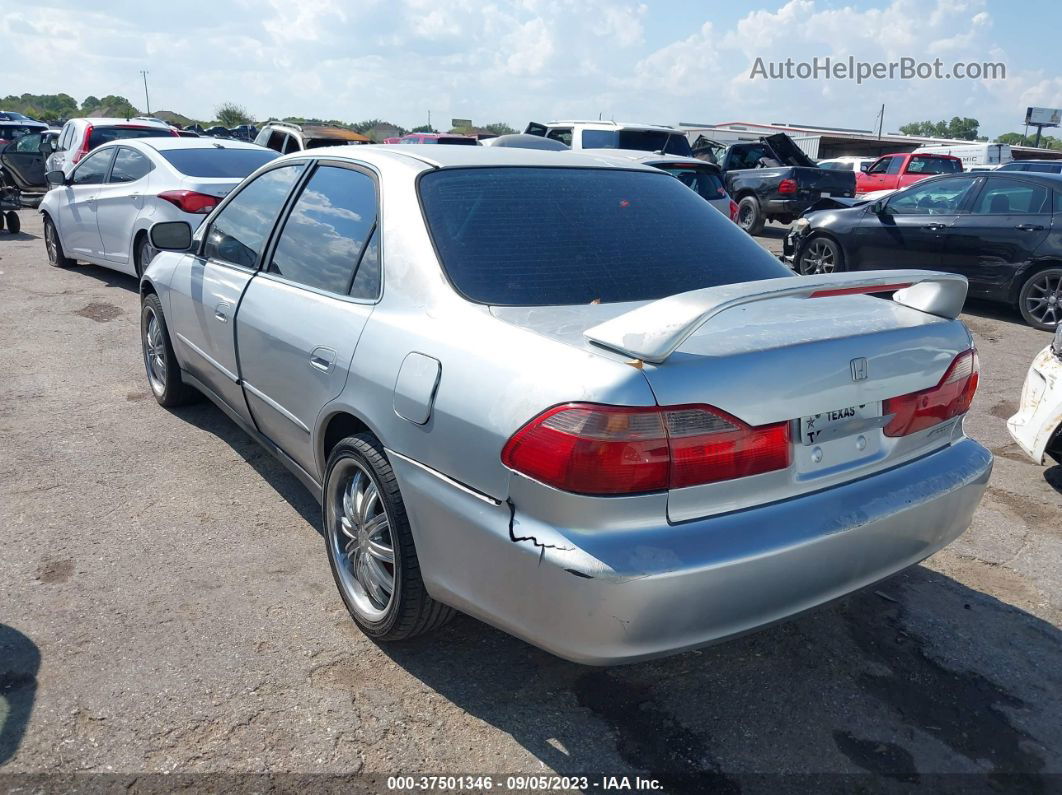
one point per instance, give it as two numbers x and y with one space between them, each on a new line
80 136
102 211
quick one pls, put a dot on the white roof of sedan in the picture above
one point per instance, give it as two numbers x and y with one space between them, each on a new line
165 142
449 156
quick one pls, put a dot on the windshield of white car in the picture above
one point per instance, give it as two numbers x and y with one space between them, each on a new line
218 162
523 236
642 140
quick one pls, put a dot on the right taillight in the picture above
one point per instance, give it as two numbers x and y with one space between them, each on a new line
951 397
787 186
189 201
594 449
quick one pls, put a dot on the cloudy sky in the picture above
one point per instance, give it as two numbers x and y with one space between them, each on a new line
493 60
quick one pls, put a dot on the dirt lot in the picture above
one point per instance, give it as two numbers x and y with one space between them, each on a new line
166 605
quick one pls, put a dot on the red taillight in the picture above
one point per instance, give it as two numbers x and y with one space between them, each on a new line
84 149
787 186
594 449
733 210
189 201
951 397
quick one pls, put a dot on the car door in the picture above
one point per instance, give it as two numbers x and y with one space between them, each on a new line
909 228
1008 220
302 316
76 222
206 286
23 160
880 176
120 201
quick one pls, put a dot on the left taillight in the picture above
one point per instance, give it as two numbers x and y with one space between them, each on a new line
189 201
733 211
594 449
951 397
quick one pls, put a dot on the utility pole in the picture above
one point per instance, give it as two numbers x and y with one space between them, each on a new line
881 120
429 120
147 100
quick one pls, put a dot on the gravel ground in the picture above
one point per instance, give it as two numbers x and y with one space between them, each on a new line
166 606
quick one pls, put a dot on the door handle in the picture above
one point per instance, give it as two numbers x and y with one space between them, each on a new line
936 227
322 359
221 311
1030 227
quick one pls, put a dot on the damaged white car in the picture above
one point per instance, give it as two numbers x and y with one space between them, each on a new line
1037 427
566 395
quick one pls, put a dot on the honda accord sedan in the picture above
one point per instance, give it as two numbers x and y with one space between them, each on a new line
532 390
102 211
1001 230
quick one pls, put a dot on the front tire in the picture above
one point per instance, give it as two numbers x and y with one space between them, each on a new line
163 370
370 545
750 215
14 224
1040 299
821 255
56 257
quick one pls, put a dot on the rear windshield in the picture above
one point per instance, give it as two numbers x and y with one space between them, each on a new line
102 135
214 162
704 181
548 236
643 140
456 140
317 143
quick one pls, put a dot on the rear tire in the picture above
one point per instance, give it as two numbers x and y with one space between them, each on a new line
1040 299
163 371
143 253
370 545
750 215
14 224
56 257
820 255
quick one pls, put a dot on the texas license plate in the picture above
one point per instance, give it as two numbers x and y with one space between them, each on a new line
829 425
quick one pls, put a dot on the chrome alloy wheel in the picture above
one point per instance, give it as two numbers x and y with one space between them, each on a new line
362 546
154 352
819 257
50 243
1044 299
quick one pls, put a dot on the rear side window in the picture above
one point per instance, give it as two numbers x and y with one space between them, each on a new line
215 162
102 135
325 236
550 236
129 166
933 165
705 182
237 234
1012 196
1043 168
644 140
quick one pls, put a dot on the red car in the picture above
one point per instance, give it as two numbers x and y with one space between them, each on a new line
435 138
891 172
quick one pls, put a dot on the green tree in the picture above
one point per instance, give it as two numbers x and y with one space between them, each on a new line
89 104
424 128
500 128
962 128
114 105
232 115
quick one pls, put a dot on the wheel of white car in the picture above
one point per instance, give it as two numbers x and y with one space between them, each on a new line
370 545
750 215
143 254
821 255
163 370
56 257
1040 299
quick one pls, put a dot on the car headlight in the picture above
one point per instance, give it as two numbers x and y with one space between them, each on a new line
800 224
1056 343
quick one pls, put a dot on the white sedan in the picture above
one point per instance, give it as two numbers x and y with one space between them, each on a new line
102 211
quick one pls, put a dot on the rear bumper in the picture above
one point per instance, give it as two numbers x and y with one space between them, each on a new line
613 596
1040 413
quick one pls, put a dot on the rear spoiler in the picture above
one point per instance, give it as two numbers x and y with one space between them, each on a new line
654 331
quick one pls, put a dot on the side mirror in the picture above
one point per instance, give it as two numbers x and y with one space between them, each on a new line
171 236
864 167
879 208
46 146
55 178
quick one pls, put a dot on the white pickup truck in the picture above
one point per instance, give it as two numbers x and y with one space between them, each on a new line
614 135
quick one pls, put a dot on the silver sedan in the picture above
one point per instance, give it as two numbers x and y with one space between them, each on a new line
566 396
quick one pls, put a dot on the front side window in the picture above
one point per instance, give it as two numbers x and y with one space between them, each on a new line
564 135
533 236
326 233
93 168
1012 196
882 166
238 233
129 166
934 198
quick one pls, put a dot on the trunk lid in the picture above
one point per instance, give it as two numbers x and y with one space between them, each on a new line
791 360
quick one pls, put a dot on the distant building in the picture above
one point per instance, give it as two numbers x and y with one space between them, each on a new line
820 143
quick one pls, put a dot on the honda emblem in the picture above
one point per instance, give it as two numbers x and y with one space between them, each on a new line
859 369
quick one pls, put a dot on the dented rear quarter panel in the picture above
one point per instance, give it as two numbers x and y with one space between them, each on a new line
1039 415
